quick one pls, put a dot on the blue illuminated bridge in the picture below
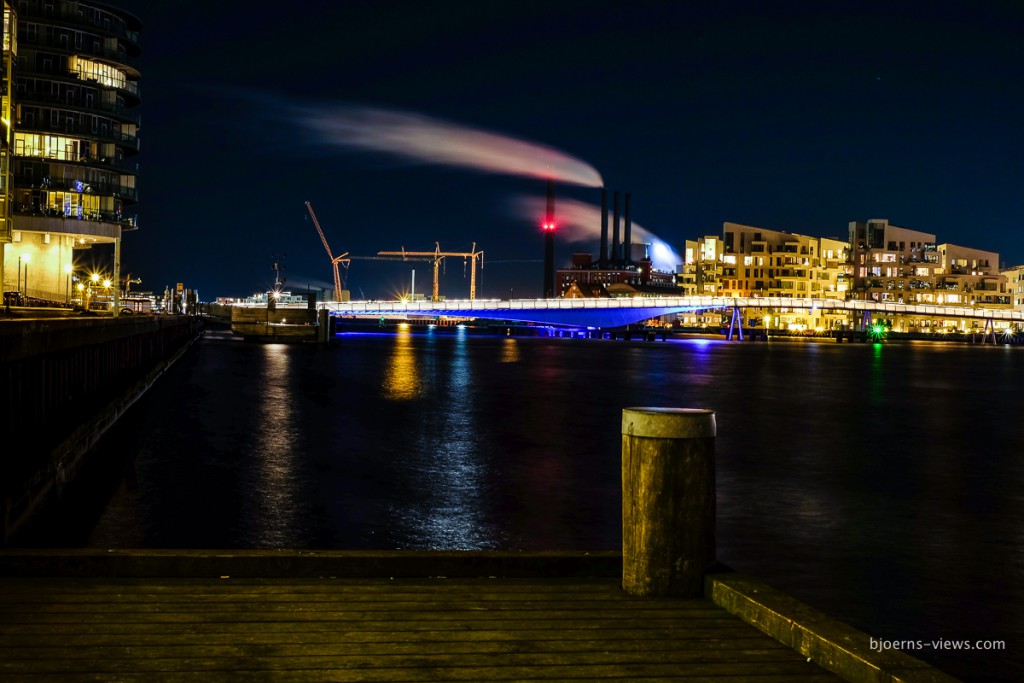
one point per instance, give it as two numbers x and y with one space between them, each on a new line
617 312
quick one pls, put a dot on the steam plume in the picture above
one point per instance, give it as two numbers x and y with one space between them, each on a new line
434 141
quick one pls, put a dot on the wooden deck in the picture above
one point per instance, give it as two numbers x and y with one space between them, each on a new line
354 629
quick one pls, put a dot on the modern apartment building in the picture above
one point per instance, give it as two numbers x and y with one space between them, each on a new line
74 181
760 262
756 262
891 263
1015 286
899 265
881 262
700 274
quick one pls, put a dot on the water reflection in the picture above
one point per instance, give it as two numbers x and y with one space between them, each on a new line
509 350
401 376
275 488
451 514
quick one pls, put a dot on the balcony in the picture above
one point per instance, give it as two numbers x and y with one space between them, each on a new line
99 188
69 15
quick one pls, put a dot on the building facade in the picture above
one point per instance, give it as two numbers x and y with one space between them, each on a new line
640 275
74 181
748 261
903 266
700 274
881 262
1015 286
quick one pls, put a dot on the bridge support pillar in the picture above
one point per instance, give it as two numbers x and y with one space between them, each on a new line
865 321
990 332
736 323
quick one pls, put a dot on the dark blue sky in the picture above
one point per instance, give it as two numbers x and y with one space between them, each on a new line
798 116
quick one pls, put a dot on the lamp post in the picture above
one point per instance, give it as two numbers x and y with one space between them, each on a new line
67 285
27 258
94 280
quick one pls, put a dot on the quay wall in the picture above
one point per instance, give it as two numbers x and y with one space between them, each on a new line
63 383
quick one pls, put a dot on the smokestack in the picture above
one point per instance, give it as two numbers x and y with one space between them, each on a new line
549 243
615 228
602 260
627 242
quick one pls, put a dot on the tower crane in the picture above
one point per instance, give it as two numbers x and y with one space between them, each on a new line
335 260
437 256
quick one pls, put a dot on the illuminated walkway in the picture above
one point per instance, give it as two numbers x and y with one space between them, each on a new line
625 311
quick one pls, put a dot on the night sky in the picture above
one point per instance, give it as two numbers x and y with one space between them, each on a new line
796 116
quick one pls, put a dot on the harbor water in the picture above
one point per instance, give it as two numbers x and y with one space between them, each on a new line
881 483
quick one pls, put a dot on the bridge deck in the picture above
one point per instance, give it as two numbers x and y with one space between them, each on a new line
406 629
612 312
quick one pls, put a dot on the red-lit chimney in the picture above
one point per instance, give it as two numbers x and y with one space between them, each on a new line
549 243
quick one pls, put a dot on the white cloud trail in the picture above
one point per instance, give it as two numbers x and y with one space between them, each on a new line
430 140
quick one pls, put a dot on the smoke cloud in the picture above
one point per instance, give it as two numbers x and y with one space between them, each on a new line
434 141
578 221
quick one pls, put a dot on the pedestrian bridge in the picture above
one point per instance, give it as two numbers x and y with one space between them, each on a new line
616 312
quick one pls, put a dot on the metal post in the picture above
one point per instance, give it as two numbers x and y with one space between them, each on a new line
668 500
117 276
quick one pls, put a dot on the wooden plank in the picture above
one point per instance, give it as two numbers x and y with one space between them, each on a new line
213 586
649 675
387 626
458 667
330 610
357 630
37 647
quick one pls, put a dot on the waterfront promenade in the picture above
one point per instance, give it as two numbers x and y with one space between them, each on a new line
473 616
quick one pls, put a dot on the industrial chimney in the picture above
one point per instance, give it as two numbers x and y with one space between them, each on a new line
627 242
615 229
602 260
549 243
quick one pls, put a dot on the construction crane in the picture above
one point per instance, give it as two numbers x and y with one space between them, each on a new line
437 256
335 260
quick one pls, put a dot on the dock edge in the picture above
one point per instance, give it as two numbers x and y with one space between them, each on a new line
829 643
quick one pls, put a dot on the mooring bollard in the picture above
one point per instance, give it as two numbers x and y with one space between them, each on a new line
668 500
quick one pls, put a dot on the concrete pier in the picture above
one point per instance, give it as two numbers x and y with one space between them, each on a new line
67 380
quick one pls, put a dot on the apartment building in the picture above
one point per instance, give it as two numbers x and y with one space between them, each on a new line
1015 286
899 265
75 131
748 261
700 274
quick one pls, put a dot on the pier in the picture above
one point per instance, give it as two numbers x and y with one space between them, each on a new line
66 381
350 616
